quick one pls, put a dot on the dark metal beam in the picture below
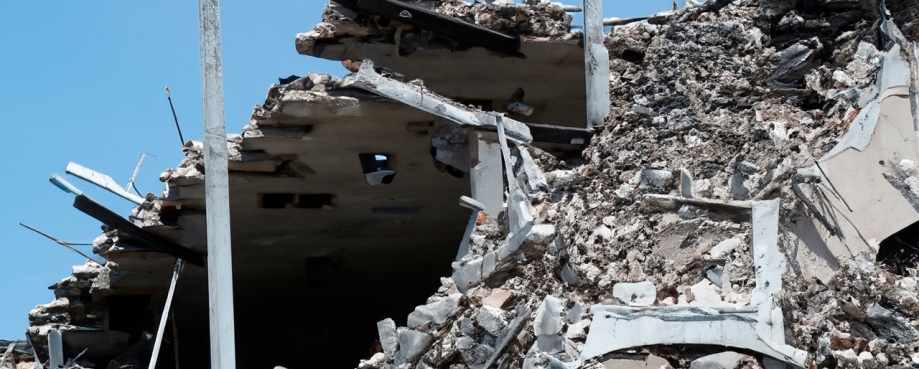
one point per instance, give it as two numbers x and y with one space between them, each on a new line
152 242
441 24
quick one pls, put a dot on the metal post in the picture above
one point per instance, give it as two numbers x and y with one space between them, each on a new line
596 64
140 163
217 202
167 308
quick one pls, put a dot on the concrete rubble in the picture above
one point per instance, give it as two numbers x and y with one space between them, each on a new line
751 202
717 110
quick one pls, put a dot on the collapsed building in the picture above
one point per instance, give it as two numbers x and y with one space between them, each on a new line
751 199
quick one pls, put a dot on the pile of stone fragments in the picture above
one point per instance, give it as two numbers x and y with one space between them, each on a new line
695 230
714 113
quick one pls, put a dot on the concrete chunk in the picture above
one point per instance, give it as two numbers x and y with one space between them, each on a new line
651 362
498 299
386 329
413 343
655 178
491 319
434 315
722 360
635 294
467 273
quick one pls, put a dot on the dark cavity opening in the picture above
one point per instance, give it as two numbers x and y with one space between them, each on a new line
275 200
378 168
901 250
633 56
300 201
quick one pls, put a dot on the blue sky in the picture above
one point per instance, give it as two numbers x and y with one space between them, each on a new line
83 82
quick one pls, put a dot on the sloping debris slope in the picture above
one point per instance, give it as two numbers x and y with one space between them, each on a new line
733 106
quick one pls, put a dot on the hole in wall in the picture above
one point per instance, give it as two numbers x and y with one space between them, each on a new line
901 249
300 201
275 200
378 168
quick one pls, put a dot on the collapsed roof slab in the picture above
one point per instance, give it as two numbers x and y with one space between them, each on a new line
423 99
551 74
294 258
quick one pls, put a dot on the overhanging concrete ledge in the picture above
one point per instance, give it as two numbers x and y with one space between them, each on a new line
418 97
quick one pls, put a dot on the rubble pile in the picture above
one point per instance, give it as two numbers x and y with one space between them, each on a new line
710 112
531 20
704 226
16 355
79 302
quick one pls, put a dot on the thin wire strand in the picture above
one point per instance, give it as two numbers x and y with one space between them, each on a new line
62 243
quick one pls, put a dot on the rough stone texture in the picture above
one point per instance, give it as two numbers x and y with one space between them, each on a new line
635 294
723 360
736 99
711 95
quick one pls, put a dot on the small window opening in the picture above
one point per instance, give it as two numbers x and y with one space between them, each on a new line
315 201
301 201
275 200
378 168
901 250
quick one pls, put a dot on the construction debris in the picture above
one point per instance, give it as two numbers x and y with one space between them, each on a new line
750 201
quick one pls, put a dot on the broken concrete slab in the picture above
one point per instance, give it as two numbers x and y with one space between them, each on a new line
649 362
420 98
729 327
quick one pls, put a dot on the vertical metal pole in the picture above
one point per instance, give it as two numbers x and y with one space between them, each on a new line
217 194
596 64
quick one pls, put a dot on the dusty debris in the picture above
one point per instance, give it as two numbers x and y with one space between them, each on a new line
752 191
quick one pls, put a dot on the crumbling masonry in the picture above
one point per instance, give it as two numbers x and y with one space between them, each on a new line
752 199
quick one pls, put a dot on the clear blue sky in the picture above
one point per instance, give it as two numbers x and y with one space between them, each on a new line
83 82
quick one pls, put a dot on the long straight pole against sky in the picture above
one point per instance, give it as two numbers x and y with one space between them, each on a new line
217 191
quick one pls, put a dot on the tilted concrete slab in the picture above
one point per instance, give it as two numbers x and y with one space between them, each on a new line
428 101
758 326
